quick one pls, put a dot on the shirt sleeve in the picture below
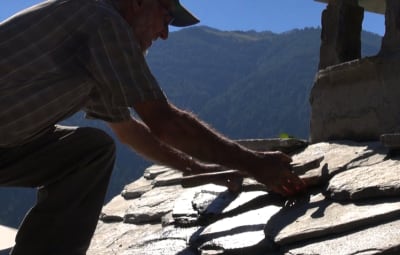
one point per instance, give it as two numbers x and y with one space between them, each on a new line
121 74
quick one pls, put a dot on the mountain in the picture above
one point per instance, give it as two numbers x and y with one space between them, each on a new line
245 84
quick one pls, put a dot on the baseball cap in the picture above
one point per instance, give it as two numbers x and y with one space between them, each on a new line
181 16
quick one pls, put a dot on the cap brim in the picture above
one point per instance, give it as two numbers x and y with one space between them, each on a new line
183 17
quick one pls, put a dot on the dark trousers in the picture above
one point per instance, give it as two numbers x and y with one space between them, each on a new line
71 168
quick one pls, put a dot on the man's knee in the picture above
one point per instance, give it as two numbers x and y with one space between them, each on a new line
97 137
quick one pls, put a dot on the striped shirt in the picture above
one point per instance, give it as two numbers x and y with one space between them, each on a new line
62 56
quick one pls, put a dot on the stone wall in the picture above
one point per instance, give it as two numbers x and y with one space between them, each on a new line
354 98
357 100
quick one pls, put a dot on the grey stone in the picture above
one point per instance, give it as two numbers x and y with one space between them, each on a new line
315 216
380 239
215 221
286 145
159 247
340 156
115 209
152 205
153 171
115 238
166 241
391 39
172 177
239 232
378 180
391 141
137 188
243 199
341 100
242 243
209 203
196 201
341 33
249 184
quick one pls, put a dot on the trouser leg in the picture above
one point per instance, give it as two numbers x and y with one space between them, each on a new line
71 168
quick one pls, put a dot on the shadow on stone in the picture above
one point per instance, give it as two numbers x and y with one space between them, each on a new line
256 203
290 213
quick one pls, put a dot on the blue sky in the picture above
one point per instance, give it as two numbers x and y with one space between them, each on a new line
274 15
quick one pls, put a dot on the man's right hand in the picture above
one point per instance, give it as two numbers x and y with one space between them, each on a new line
274 170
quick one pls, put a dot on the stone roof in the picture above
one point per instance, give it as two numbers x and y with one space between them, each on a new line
351 207
377 6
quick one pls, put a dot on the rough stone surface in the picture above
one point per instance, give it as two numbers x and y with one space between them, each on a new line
198 201
391 141
137 188
339 112
165 242
341 33
381 239
316 216
286 145
115 210
340 156
116 238
173 177
391 39
380 180
232 234
152 172
208 219
152 205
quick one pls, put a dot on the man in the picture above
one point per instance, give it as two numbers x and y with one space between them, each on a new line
62 56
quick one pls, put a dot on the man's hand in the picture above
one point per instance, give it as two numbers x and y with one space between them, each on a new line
274 170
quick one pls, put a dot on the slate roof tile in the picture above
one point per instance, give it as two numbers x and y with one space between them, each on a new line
353 207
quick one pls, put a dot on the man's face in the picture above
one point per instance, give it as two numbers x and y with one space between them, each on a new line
149 20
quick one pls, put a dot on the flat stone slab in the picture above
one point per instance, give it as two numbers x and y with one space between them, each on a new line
160 247
340 156
114 238
379 180
239 232
152 205
286 145
114 210
197 201
171 177
391 141
382 239
240 226
153 171
166 241
317 217
137 188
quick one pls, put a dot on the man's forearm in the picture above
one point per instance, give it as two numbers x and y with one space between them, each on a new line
138 136
188 134
183 131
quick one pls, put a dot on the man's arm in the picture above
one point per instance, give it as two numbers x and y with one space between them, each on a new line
181 130
138 136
